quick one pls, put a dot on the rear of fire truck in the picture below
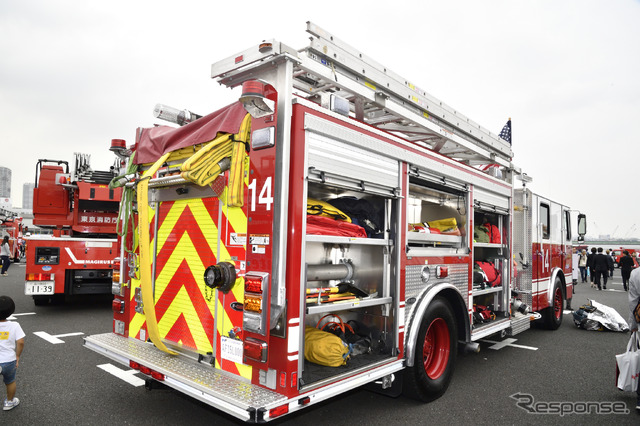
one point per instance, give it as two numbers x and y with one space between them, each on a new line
215 279
80 212
220 280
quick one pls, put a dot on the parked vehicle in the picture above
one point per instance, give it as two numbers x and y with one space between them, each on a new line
81 211
243 238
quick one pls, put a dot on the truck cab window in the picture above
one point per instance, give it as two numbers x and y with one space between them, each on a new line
545 221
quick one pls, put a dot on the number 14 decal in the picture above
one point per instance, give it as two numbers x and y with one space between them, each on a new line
545 260
265 196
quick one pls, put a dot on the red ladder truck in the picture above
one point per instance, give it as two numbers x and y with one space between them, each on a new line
81 211
333 191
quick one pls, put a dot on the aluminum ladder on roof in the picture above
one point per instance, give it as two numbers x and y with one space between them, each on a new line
378 96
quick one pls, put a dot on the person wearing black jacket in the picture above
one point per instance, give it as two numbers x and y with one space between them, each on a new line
601 266
626 265
592 271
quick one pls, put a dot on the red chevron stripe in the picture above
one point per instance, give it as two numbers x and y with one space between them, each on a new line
184 278
179 333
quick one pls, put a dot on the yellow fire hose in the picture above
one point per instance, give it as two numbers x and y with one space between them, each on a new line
204 166
201 168
145 258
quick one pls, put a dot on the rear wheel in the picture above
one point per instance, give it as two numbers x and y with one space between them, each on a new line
435 354
553 314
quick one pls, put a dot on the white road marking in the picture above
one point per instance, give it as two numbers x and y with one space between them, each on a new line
566 312
13 317
126 375
507 342
54 339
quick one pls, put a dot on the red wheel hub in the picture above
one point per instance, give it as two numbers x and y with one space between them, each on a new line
557 303
436 348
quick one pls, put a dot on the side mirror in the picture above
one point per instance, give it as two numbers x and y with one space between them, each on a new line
582 226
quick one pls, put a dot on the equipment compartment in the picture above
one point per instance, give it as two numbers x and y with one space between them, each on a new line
379 339
350 277
436 216
490 248
333 263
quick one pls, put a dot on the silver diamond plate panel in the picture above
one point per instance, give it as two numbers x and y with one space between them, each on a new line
519 323
414 287
522 236
218 384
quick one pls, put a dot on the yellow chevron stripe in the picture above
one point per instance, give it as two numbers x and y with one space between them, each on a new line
170 220
184 250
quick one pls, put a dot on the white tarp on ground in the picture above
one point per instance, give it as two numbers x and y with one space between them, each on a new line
603 316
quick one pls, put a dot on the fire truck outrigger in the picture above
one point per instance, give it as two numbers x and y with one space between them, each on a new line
81 211
226 267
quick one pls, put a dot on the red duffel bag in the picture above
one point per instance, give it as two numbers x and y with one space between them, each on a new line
321 225
490 271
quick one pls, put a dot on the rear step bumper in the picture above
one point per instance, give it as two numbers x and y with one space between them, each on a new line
232 394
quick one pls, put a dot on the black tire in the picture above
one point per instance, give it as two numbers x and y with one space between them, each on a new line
552 316
435 354
40 300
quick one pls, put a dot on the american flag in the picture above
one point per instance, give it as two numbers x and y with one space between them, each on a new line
506 132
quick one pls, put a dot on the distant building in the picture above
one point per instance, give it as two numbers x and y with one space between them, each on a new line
5 182
27 196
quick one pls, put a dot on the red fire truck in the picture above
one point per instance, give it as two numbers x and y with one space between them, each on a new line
11 226
619 252
81 211
333 192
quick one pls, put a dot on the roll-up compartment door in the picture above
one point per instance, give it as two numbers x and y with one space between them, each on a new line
486 199
335 157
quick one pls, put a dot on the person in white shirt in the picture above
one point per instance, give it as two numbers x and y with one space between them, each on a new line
634 298
11 346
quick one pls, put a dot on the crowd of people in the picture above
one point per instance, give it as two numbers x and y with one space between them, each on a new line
598 265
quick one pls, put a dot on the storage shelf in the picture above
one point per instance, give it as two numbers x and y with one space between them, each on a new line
487 291
490 245
334 239
416 237
345 305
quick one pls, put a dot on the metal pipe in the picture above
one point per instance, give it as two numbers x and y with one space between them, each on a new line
330 271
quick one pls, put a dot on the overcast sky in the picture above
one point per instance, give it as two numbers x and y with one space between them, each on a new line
76 74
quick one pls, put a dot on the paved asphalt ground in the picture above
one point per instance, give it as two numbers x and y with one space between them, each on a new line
61 383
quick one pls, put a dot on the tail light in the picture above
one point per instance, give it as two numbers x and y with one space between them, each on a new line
279 411
255 349
157 376
254 317
117 306
39 277
116 283
146 370
253 303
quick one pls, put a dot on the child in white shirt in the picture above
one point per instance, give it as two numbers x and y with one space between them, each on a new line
11 345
